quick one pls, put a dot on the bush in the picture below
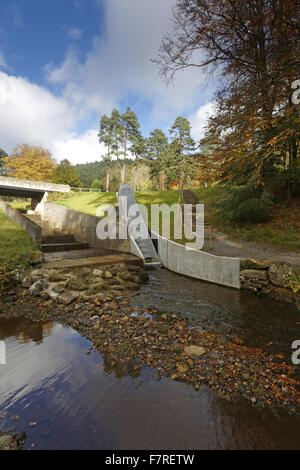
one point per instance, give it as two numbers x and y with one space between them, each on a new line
96 184
244 206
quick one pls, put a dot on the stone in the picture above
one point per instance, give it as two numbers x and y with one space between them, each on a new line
68 297
126 276
5 441
254 264
57 289
255 274
38 287
194 350
108 275
182 369
77 284
279 273
98 272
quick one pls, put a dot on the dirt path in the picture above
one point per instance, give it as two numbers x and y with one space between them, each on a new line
233 247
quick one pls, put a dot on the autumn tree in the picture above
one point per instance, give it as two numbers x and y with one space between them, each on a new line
32 163
253 48
65 173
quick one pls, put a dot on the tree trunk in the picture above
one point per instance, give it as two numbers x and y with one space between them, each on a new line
107 180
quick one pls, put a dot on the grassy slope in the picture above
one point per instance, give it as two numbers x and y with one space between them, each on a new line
14 242
282 231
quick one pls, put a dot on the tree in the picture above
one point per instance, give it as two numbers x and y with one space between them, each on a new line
181 143
131 133
3 156
139 150
97 185
33 163
107 138
253 47
65 173
157 145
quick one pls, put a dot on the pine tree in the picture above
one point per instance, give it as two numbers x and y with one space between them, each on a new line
65 173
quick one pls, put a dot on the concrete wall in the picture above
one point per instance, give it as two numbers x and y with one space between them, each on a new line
34 230
82 226
198 264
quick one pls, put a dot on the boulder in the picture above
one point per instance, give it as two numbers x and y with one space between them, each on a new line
38 287
68 297
194 350
254 264
98 272
255 274
280 273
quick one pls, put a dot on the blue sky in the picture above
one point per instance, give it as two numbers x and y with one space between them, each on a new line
63 63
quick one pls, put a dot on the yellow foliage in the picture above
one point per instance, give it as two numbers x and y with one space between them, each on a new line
32 163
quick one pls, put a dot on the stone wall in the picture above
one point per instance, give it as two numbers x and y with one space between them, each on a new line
264 276
34 230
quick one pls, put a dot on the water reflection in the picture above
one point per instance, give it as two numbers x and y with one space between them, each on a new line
257 320
81 401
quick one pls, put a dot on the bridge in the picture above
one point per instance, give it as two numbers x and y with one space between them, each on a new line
34 190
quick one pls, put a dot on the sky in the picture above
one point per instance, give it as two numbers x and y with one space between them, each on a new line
65 63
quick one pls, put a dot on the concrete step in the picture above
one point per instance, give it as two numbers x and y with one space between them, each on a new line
94 261
58 238
55 247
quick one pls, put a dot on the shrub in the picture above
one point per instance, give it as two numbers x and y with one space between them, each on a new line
244 205
96 184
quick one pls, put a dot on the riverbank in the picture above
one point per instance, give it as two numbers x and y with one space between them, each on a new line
175 347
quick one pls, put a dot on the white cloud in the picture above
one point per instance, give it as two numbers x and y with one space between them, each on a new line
31 114
74 33
119 63
199 120
118 66
82 148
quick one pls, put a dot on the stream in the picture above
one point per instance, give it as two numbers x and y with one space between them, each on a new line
64 398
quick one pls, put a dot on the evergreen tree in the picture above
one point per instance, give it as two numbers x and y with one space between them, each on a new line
157 145
65 173
181 144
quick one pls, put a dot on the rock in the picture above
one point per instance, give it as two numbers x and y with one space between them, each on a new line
108 275
57 289
55 276
77 284
253 400
38 287
254 264
5 441
254 274
98 272
164 316
68 297
18 274
194 350
126 276
182 368
279 273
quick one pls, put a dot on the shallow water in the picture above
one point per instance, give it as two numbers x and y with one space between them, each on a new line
64 398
